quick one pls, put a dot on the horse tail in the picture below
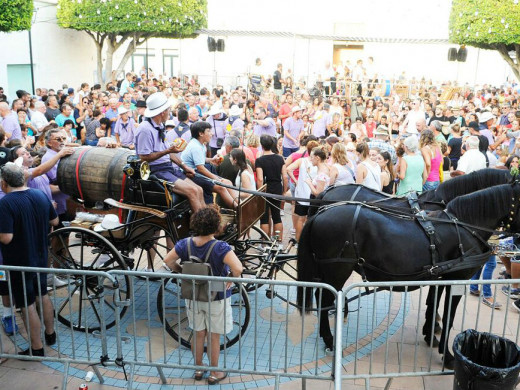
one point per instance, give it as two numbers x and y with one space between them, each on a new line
306 267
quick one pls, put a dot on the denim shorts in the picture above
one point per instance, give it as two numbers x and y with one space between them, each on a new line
430 185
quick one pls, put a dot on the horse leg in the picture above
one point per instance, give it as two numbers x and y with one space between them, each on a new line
449 360
430 326
327 303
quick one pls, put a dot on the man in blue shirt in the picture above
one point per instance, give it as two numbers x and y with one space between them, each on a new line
27 213
66 113
194 156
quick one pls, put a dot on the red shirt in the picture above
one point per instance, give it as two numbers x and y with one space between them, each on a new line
285 110
370 129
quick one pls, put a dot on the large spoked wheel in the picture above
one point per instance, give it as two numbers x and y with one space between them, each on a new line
172 312
84 302
153 242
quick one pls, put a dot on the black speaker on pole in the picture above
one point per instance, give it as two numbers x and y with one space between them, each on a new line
452 54
212 44
221 45
462 54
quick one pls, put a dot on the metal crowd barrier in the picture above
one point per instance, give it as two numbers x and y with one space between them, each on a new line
396 328
125 335
65 352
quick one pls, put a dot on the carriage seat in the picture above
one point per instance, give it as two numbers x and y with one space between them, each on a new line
151 194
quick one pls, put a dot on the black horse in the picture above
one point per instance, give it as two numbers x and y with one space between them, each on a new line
429 200
395 247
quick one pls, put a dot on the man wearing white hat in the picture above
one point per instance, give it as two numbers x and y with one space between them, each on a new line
487 119
150 147
219 121
292 131
124 128
235 119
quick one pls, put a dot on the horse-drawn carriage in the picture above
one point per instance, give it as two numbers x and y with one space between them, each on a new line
151 220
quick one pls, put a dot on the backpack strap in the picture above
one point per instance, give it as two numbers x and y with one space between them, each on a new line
208 253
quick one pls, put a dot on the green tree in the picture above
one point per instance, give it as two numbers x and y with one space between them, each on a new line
113 23
15 15
488 24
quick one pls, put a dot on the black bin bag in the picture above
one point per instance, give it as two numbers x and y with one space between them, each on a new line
484 361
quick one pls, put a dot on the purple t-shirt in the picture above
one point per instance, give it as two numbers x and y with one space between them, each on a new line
219 129
216 258
40 183
125 131
60 198
2 194
269 130
147 141
293 127
172 134
12 126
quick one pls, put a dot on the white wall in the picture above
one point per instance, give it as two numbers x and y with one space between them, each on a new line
59 55
68 56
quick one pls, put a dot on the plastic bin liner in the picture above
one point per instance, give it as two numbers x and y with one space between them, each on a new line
484 361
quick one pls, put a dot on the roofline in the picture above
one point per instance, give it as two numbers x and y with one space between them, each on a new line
286 34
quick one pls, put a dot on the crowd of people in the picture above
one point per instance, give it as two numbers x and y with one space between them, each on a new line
292 140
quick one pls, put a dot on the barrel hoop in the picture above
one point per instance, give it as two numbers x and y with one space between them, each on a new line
111 167
78 168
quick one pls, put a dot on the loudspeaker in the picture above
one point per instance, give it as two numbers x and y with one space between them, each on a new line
212 45
221 45
452 54
462 54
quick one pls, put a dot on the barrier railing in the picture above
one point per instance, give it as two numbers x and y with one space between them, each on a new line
130 327
404 313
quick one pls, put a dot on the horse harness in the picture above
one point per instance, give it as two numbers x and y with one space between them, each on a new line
438 267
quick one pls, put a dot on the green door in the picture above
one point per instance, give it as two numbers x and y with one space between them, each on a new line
18 77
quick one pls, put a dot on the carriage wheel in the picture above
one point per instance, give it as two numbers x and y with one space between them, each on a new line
172 312
154 242
252 249
79 304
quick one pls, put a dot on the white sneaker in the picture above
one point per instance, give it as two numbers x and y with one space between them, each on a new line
53 280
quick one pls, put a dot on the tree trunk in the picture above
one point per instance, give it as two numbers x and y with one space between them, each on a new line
504 52
110 59
99 54
134 43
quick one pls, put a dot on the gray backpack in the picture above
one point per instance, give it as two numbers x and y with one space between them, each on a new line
199 290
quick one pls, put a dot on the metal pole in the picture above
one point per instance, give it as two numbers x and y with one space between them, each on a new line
146 58
476 70
31 60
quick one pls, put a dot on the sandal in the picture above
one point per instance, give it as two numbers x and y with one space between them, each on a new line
213 380
198 375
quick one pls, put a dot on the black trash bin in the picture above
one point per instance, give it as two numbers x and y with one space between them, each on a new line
484 361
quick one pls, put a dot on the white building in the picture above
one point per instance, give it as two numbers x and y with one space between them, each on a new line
300 34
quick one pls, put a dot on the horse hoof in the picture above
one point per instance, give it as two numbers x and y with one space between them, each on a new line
449 361
437 329
329 352
434 342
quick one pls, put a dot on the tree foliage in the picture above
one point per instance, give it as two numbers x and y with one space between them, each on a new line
15 15
488 24
111 23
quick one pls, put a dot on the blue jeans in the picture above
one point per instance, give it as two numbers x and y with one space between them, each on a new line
288 151
487 274
91 142
430 185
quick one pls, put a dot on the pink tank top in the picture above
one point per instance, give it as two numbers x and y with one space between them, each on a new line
435 164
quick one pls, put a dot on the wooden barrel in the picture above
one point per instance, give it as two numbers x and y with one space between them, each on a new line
92 174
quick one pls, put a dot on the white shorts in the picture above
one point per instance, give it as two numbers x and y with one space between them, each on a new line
200 317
